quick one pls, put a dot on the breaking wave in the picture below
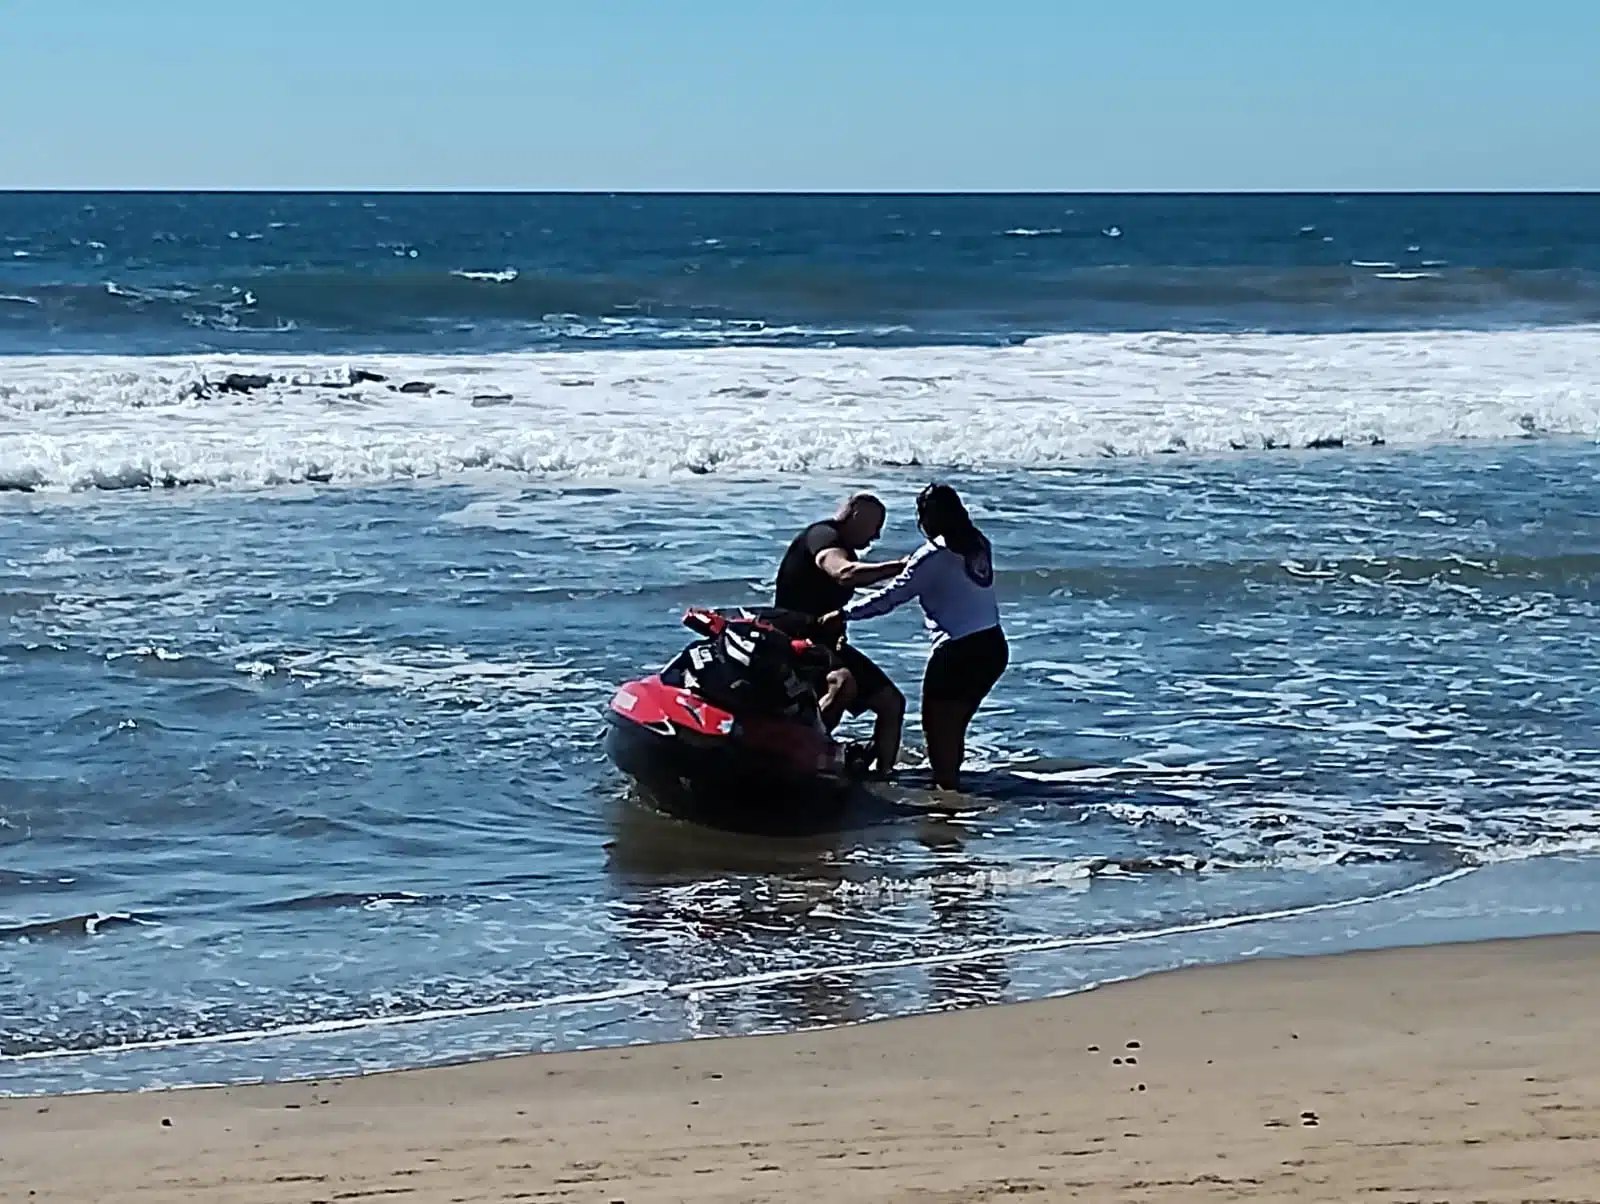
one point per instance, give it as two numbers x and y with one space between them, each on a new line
70 423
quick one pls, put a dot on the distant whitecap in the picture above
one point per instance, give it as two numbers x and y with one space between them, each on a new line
506 276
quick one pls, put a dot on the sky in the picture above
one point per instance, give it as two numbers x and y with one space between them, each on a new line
864 95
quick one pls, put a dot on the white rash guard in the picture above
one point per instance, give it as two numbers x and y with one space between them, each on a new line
953 604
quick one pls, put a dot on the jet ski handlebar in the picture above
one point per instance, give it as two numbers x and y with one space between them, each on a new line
802 631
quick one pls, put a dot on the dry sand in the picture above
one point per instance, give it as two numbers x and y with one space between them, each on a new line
1455 1073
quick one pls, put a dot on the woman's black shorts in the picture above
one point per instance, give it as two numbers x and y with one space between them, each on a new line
964 670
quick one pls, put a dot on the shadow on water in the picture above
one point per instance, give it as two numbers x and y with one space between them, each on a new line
1026 784
649 846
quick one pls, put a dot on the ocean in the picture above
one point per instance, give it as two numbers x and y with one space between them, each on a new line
329 522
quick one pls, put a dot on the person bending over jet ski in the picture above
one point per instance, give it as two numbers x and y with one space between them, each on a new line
820 572
952 575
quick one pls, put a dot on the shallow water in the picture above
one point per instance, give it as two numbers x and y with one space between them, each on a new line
321 761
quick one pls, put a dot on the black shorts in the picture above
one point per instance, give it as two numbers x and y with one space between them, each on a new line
965 670
870 680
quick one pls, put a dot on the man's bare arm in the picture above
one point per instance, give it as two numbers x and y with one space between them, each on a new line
856 574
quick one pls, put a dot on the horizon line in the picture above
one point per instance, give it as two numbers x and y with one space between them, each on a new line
442 190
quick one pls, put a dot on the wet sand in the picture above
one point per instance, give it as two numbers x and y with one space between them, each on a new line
1451 1073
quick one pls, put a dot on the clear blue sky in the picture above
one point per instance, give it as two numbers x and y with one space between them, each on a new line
831 94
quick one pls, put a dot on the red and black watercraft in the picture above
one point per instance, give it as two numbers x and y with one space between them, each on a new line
728 734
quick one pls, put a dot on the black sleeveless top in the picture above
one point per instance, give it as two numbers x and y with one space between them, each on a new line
802 586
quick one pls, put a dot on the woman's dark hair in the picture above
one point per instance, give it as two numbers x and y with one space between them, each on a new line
940 513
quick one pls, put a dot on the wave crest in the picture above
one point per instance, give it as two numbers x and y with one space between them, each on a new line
101 422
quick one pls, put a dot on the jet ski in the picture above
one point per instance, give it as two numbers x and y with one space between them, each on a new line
728 734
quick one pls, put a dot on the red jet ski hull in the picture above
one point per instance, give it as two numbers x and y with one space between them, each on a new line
701 764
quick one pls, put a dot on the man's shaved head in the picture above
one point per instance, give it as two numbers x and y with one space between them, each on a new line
860 519
856 503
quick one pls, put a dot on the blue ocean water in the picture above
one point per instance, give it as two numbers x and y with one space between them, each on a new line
1295 501
348 274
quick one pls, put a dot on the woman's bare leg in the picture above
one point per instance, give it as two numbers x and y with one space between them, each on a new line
944 726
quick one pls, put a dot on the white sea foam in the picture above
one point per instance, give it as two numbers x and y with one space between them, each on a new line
692 988
71 422
505 277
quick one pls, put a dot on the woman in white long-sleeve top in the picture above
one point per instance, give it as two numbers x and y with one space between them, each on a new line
952 576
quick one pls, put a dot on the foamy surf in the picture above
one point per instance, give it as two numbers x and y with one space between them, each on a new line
70 423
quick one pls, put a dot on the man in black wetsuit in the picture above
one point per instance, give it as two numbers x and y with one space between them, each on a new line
820 571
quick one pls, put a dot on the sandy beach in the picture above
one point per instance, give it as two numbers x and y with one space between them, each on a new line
1451 1073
